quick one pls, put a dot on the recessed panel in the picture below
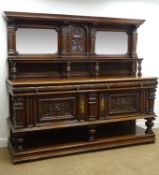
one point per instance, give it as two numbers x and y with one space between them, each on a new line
111 43
36 41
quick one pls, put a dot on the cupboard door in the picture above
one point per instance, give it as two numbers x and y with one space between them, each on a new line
56 108
123 103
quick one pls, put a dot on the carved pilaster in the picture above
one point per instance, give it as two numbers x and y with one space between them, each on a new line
64 40
92 39
18 107
134 43
151 100
149 123
11 39
92 100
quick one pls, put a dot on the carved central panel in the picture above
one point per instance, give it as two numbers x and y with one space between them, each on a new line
123 103
77 39
57 109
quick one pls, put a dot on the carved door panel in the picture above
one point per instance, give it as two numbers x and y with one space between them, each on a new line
56 108
123 103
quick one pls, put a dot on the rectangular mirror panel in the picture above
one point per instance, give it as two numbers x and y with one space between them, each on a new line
111 43
36 41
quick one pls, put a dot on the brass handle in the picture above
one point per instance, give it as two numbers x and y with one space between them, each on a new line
82 106
102 104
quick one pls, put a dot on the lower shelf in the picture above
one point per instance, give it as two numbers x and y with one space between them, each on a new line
138 137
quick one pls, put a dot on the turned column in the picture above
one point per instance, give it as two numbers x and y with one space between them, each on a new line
139 68
149 123
91 133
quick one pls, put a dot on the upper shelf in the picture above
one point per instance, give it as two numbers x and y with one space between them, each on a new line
70 18
53 58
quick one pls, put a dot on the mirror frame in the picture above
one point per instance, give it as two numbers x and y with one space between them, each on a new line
57 40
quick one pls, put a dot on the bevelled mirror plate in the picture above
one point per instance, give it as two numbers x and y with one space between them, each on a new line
111 43
36 41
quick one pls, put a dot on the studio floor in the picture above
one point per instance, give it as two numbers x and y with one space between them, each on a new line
134 160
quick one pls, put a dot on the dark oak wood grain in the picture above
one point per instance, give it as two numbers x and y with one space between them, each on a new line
76 100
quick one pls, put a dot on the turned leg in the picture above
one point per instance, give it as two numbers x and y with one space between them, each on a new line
18 142
91 134
149 123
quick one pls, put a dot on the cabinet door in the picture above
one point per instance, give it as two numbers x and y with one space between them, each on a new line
123 102
56 108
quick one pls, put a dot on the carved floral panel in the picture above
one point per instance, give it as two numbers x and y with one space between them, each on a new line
56 108
123 103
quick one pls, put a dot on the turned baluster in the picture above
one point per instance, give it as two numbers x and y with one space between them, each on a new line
97 69
149 123
139 68
91 134
68 69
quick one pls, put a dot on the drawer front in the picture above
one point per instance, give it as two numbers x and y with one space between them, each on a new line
122 103
57 108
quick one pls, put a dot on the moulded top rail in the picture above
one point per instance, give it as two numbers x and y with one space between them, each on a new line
10 16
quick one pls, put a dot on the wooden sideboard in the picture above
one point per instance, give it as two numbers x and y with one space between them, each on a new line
75 100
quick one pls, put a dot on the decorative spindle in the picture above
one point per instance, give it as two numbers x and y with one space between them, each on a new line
13 70
68 69
91 133
139 68
97 69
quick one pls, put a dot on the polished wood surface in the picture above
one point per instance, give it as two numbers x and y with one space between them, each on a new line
75 100
51 81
